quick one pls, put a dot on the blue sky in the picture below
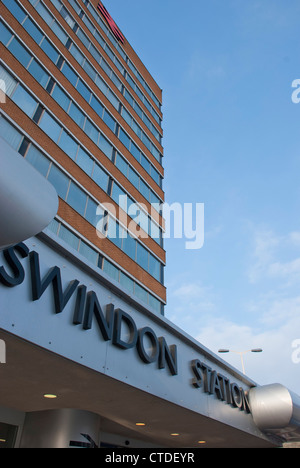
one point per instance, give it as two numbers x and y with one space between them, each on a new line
231 140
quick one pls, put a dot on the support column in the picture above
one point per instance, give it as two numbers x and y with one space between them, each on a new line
61 428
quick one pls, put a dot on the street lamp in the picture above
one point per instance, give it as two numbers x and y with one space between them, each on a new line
241 353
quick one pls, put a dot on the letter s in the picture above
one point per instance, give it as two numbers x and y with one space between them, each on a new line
15 265
296 93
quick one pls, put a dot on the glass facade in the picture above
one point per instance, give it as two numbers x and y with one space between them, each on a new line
107 110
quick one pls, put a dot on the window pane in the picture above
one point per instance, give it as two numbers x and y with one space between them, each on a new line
23 99
44 13
111 270
91 131
113 100
141 293
34 32
49 50
21 54
85 161
154 267
77 115
38 160
83 90
135 152
133 177
126 282
10 134
154 303
39 73
142 256
15 10
68 145
97 106
77 198
121 164
53 226
61 97
50 126
5 34
119 196
9 82
59 32
91 213
77 54
105 146
100 177
89 253
129 246
124 138
110 122
59 180
67 236
69 74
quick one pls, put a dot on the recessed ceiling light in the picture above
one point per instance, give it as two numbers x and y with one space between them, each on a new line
174 434
201 441
140 424
50 396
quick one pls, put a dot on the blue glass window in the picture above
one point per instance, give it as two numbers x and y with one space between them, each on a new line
100 177
15 10
124 138
50 126
111 270
88 253
97 106
154 267
105 146
68 145
77 198
10 134
38 160
126 282
110 122
142 256
129 246
68 236
69 74
91 131
83 90
39 73
91 212
5 34
59 180
34 32
77 115
85 161
49 50
61 97
24 100
21 54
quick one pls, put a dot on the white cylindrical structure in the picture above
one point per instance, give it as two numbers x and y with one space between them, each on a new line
28 202
275 409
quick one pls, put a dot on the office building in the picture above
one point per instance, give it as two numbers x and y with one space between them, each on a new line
88 349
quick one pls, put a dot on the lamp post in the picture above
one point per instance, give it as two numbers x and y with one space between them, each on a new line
241 354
